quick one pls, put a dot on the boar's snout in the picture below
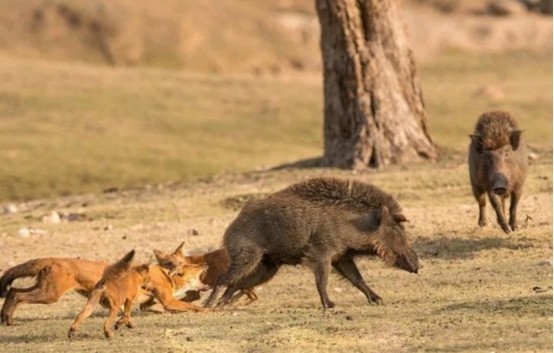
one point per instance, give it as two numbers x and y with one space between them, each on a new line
500 184
408 262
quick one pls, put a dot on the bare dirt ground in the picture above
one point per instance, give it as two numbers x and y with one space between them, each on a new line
479 290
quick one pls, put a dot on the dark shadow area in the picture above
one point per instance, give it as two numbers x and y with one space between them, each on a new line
308 163
540 305
26 337
103 313
463 248
235 203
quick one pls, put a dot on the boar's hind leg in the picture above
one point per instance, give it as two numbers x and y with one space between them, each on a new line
347 268
516 195
481 197
243 262
265 271
213 296
496 203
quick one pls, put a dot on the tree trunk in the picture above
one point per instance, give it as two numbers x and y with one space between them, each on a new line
374 110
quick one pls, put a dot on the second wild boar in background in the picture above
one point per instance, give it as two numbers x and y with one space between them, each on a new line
497 166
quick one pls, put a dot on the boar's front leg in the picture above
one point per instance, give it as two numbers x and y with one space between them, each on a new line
516 195
348 269
496 203
321 268
481 197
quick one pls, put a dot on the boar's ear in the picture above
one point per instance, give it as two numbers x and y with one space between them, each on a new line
515 138
385 214
399 217
477 141
179 249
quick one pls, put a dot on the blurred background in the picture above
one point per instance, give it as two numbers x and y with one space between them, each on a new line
109 94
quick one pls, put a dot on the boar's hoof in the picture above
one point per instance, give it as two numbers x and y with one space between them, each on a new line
506 228
513 225
376 300
482 222
329 305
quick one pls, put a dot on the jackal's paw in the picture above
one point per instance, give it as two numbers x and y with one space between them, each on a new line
71 333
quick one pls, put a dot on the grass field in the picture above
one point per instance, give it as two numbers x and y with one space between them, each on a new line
76 130
70 128
479 290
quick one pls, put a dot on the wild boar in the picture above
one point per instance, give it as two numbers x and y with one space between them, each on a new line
497 166
323 223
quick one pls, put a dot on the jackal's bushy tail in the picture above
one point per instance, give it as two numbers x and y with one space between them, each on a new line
120 267
30 268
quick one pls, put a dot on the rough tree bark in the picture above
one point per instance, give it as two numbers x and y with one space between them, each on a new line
374 110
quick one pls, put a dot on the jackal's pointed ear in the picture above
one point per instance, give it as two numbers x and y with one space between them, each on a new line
515 138
160 255
129 256
179 249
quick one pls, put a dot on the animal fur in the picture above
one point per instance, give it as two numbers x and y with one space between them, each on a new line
321 222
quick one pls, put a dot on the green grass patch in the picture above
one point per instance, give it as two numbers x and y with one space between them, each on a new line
72 129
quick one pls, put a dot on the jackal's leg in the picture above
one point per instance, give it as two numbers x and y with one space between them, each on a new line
87 310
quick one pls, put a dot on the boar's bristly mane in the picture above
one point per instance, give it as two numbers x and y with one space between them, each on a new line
493 129
350 194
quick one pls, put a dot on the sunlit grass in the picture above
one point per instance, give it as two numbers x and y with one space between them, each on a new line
70 128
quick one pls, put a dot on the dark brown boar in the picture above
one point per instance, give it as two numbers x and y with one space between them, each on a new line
497 166
322 223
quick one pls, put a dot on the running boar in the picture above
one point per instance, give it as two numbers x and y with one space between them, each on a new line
497 166
322 223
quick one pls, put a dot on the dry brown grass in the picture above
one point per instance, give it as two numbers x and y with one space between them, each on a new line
77 128
479 290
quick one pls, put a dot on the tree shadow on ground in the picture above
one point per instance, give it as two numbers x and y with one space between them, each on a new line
25 337
464 248
308 163
540 305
